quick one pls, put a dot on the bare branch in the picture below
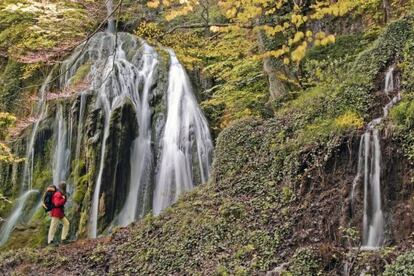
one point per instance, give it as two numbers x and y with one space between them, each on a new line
85 41
203 25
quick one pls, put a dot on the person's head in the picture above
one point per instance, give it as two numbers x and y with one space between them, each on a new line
62 186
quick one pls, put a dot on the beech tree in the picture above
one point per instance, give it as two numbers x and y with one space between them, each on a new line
288 18
286 23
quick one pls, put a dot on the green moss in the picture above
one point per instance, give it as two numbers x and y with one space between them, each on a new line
287 194
5 208
407 66
402 118
383 51
345 46
42 178
31 235
343 99
88 192
10 85
165 57
42 172
81 73
80 181
403 113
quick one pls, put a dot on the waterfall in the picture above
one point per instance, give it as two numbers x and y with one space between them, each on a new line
389 80
369 168
185 126
373 220
171 151
16 214
27 178
96 193
41 111
122 79
61 155
360 168
141 156
111 20
106 105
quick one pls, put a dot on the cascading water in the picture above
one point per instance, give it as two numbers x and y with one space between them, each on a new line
61 155
185 126
141 157
171 151
27 178
41 111
111 20
369 168
15 216
373 220
389 80
122 79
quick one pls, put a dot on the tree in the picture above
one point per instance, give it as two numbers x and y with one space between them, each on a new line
41 31
286 24
280 17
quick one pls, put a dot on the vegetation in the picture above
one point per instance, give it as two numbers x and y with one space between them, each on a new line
404 265
283 167
289 21
36 31
3 200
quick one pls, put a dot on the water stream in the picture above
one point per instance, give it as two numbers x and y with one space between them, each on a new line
141 156
27 179
111 20
185 127
15 216
369 170
61 156
168 157
108 100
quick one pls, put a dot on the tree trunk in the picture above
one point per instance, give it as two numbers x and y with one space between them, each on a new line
277 88
387 10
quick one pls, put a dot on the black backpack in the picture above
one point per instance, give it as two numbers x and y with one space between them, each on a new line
47 198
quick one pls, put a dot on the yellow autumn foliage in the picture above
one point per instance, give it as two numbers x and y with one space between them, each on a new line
349 120
247 13
299 53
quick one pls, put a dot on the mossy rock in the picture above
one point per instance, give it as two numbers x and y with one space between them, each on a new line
81 73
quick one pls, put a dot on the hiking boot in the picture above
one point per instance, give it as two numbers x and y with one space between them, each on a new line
53 244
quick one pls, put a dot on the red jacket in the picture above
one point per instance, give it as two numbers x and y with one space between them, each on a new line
58 201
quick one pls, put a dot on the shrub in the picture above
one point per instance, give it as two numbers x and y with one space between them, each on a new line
404 265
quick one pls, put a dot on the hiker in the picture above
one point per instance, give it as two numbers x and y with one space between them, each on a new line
57 212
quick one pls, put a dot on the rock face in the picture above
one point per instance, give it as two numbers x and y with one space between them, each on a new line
104 134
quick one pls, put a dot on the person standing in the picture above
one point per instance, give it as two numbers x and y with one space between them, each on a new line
58 214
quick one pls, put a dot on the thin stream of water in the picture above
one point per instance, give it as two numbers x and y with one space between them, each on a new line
369 170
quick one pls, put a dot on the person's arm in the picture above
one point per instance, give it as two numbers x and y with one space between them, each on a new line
59 200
